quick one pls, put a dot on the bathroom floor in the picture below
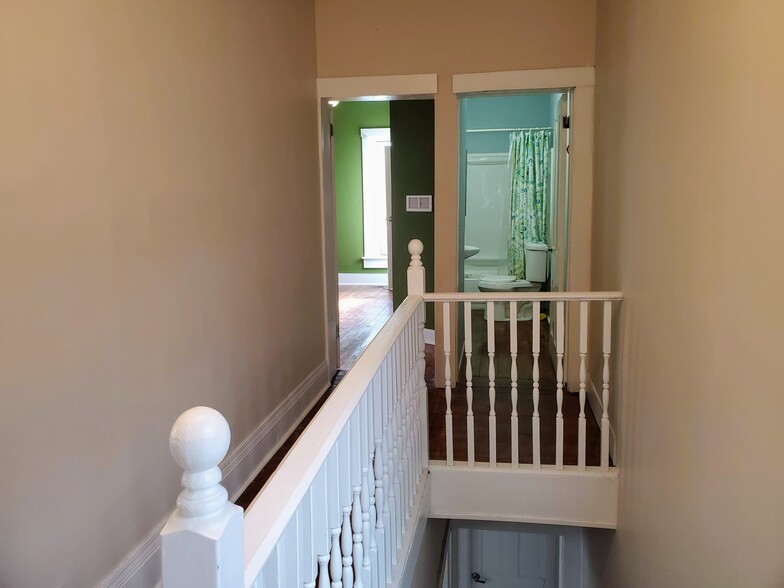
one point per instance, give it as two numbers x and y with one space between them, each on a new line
363 311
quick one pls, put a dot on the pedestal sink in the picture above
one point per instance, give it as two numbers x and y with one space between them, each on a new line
469 251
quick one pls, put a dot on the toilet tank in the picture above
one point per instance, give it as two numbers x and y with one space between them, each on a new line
536 262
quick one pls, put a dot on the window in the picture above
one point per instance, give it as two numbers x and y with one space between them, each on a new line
376 148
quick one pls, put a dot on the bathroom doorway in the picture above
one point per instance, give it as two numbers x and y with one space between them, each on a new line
514 182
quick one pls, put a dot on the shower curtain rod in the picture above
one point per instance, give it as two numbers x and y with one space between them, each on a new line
509 130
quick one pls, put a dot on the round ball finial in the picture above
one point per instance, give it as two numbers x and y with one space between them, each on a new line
415 247
199 439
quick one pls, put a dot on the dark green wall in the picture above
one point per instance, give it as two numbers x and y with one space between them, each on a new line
347 120
412 124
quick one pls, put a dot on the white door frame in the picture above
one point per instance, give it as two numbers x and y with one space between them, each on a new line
352 88
581 81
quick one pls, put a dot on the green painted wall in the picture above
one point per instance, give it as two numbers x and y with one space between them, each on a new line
347 120
413 172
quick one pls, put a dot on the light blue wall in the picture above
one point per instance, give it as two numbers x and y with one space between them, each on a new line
494 112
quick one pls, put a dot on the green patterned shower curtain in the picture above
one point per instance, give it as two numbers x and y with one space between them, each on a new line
529 162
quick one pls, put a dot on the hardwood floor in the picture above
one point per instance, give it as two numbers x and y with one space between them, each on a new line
363 311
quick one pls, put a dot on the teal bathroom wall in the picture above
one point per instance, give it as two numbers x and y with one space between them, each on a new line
494 112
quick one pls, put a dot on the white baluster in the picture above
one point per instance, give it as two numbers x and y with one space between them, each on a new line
409 432
357 553
366 482
389 476
389 519
346 548
414 399
344 468
397 450
491 375
386 512
400 501
336 560
450 455
356 447
333 489
323 571
420 404
395 498
606 350
581 431
469 385
403 435
381 510
535 346
367 536
376 488
559 379
202 540
513 353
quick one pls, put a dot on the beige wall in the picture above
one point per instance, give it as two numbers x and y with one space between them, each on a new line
358 38
159 203
687 222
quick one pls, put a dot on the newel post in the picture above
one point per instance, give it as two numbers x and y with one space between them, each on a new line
202 544
416 271
416 287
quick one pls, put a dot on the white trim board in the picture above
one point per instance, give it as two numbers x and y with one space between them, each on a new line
367 279
430 336
532 79
572 497
142 567
379 87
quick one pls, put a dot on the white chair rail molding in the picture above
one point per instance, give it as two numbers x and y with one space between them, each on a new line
502 441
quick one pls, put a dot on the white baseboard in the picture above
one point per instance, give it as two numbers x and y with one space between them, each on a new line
430 336
595 401
142 568
363 279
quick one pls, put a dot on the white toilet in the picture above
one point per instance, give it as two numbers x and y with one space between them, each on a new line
535 274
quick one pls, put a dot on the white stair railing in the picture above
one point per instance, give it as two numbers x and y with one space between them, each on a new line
510 302
341 509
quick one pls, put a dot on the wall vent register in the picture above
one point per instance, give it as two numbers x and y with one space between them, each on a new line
419 203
